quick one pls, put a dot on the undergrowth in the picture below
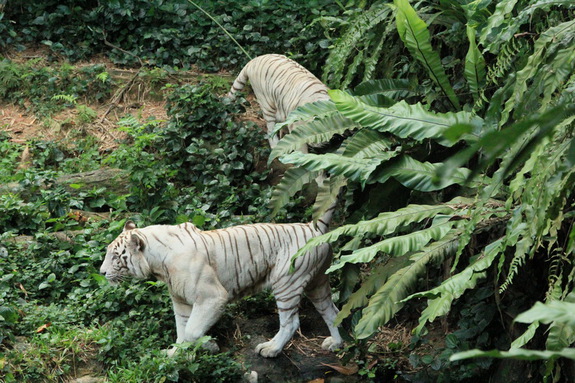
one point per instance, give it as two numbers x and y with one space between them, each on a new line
58 315
173 34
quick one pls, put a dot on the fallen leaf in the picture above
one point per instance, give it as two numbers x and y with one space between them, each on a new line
43 327
319 380
23 289
344 370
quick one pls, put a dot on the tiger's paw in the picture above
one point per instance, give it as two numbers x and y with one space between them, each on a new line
169 352
268 349
331 344
211 346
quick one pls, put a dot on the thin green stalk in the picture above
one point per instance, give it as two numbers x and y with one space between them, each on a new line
222 27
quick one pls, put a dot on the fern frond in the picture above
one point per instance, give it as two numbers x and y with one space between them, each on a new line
495 144
421 176
366 143
387 300
442 297
490 35
551 63
396 246
372 57
502 27
404 120
526 337
377 277
561 334
397 89
515 353
506 61
356 169
351 41
313 132
352 70
474 65
291 182
387 223
414 33
540 213
327 195
308 112
69 98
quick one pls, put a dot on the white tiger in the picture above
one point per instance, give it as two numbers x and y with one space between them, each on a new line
280 86
206 269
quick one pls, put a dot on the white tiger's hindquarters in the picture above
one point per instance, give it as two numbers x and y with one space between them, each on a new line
205 270
280 86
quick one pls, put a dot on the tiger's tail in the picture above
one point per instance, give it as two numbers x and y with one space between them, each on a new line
323 222
239 83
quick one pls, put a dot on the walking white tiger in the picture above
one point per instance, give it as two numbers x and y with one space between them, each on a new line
280 86
206 269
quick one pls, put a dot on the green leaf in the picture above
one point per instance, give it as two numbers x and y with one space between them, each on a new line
474 65
404 120
553 311
376 278
516 353
312 132
526 336
387 300
442 297
8 314
366 143
414 33
386 223
327 195
550 65
420 176
308 112
354 36
396 246
493 145
397 89
293 180
357 169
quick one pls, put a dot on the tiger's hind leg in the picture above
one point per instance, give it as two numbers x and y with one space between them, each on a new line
287 301
319 293
270 118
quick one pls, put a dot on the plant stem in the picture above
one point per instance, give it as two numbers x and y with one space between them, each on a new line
221 26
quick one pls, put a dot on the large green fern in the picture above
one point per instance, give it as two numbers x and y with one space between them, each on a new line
509 149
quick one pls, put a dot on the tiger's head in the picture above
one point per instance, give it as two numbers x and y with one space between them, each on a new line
125 256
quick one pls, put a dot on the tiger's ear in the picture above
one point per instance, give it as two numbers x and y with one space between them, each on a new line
129 225
137 242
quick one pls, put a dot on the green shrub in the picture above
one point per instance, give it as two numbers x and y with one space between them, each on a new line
40 88
174 34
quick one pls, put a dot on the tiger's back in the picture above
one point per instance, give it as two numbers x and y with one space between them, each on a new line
258 256
280 86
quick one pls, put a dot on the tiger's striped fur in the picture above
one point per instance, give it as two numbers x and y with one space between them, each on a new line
206 269
280 86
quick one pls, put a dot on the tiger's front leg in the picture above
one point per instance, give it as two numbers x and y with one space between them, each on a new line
182 313
194 320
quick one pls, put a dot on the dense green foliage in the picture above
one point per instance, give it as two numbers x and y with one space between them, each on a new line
50 291
45 90
460 169
170 33
456 161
